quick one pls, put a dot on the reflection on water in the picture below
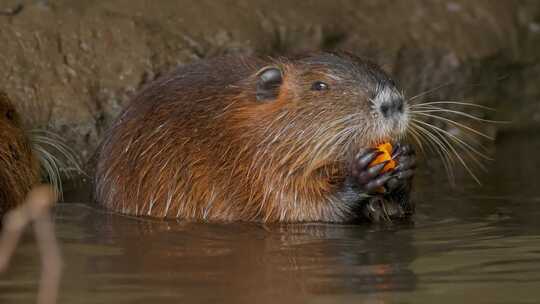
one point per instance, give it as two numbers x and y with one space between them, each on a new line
468 244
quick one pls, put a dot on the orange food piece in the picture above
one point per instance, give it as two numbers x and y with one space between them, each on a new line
386 149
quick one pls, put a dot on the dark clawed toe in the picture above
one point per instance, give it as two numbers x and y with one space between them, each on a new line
365 157
368 178
370 173
396 149
405 157
400 150
377 183
406 163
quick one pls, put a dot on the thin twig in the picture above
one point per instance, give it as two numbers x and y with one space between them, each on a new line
36 210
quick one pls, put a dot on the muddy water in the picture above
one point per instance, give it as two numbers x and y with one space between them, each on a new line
468 244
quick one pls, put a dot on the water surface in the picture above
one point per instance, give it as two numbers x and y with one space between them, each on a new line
467 244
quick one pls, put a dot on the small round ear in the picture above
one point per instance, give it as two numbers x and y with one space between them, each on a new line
268 83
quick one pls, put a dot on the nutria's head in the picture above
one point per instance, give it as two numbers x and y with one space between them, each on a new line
355 92
19 169
329 105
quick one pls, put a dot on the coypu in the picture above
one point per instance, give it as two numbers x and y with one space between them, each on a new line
253 139
19 167
29 156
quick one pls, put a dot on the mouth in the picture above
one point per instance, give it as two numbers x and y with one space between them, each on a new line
391 130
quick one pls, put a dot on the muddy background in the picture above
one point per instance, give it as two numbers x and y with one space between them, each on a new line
70 66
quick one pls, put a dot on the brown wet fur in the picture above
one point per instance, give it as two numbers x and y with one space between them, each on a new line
196 144
19 168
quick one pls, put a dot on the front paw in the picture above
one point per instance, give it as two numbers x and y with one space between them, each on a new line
369 179
403 174
388 192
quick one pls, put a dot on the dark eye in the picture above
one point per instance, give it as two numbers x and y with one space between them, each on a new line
319 86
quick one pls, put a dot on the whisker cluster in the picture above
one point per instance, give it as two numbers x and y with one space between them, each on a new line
452 148
55 157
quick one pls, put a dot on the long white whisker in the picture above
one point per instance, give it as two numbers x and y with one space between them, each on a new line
473 158
430 109
455 138
455 123
416 138
62 161
442 133
440 149
455 103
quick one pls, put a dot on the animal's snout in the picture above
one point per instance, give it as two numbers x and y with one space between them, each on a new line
392 106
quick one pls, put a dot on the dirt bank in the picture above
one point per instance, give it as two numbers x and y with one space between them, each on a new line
71 65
